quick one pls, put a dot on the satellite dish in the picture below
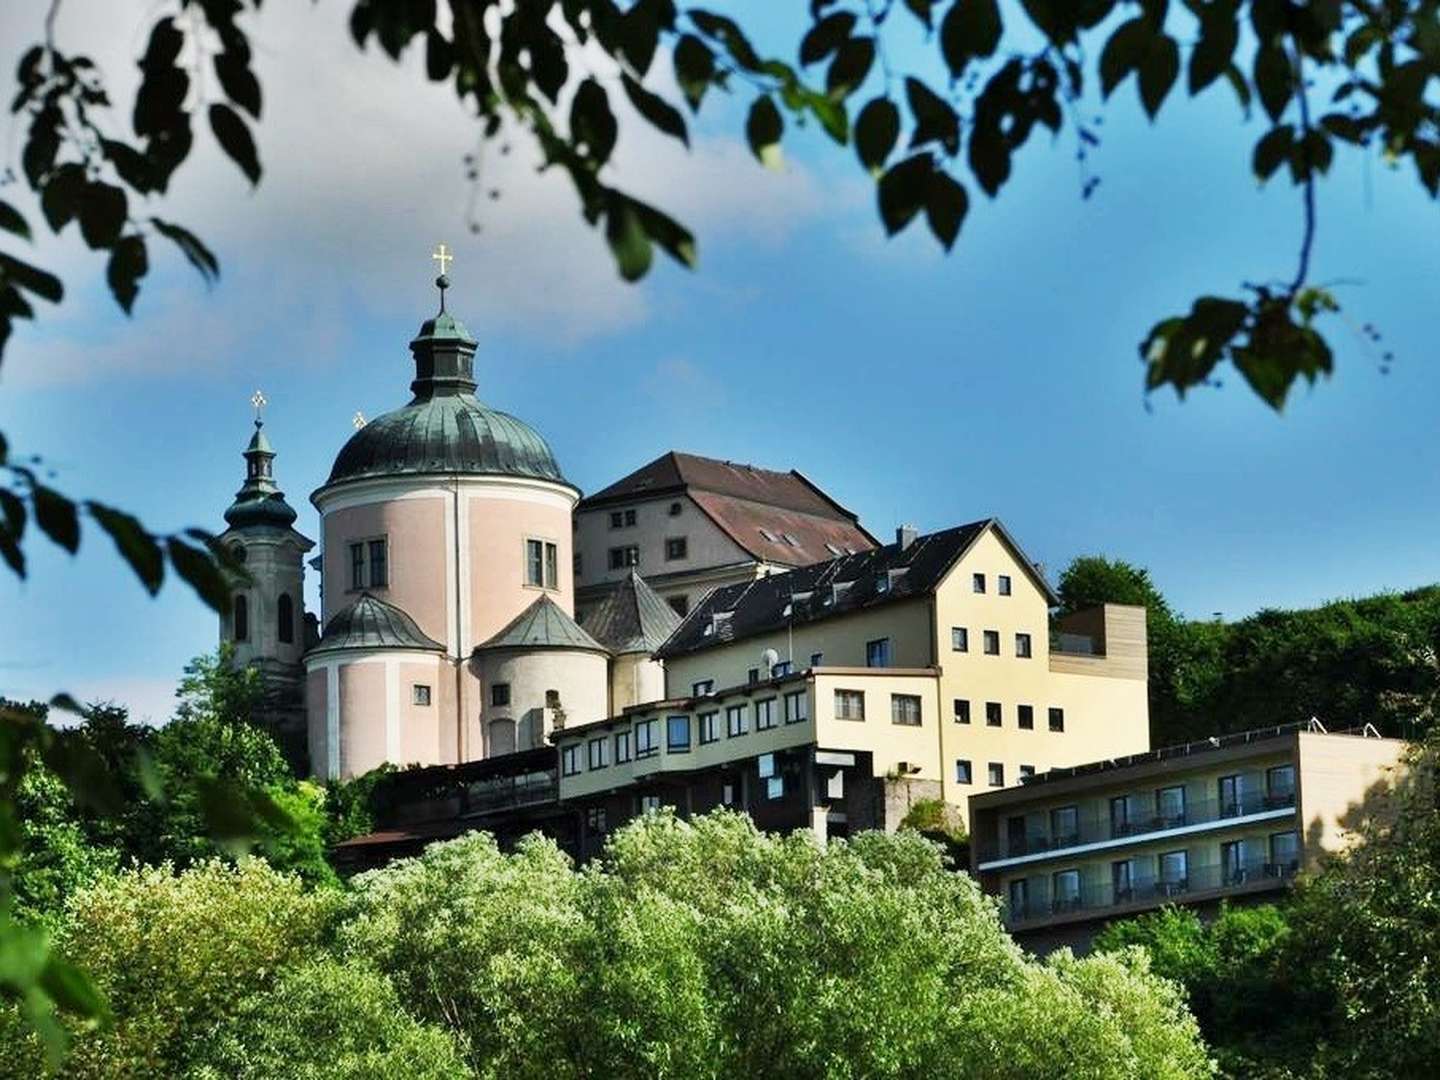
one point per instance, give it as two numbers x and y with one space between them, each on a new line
768 659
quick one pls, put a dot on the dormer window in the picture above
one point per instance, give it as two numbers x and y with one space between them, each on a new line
768 535
833 550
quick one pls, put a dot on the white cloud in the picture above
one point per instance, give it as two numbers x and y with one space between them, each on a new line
363 175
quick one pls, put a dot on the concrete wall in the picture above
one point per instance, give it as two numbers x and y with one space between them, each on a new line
1342 781
274 561
634 679
708 545
361 711
580 676
889 743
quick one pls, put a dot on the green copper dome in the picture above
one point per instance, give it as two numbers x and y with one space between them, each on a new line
445 429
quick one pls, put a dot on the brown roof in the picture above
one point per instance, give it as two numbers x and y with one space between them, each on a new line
762 510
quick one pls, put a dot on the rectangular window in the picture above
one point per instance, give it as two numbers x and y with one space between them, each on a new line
1174 872
420 694
1124 815
992 714
1280 786
617 519
775 787
1002 584
1231 800
357 566
645 738
499 694
679 604
765 714
977 582
962 710
629 517
598 748
1026 771
1122 879
709 727
1232 862
676 547
959 639
379 565
1019 899
905 709
534 562
703 687
1022 646
1284 852
552 566
795 708
649 804
815 658
1065 826
1057 719
735 721
727 794
877 652
1065 890
992 642
783 668
621 558
1170 806
962 771
677 734
622 746
997 774
570 760
675 509
595 818
1025 717
753 675
849 705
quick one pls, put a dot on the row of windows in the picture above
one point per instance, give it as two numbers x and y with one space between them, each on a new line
1002 583
960 642
628 555
904 708
625 519
995 715
284 618
995 773
370 564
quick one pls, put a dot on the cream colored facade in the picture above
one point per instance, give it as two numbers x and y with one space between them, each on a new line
1220 818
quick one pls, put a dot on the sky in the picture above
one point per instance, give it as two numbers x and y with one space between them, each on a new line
1002 379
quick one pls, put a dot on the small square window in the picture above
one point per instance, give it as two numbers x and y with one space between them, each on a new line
595 819
783 668
1025 717
617 519
962 771
962 710
420 694
677 734
649 804
1002 584
849 705
629 517
992 642
622 558
992 714
877 653
905 709
703 687
753 675
676 547
1057 719
816 658
977 582
997 774
500 693
775 787
1026 771
675 509
1022 646
959 639
570 760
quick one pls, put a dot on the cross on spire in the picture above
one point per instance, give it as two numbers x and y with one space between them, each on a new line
259 401
442 256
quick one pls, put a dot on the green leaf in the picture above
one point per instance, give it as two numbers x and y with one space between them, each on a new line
989 157
1219 34
628 239
439 56
851 65
1158 72
32 279
831 114
241 86
72 990
1183 352
676 240
971 28
1272 150
1274 80
1236 78
903 189
591 121
62 195
826 36
763 128
67 703
85 773
934 118
234 138
729 33
198 569
945 205
876 130
136 546
659 112
132 166
694 69
195 252
128 264
56 516
1123 53
1310 154
12 221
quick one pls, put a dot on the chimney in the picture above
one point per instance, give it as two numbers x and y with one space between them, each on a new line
905 536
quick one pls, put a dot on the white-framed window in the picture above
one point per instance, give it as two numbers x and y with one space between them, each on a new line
796 708
542 564
1002 584
676 548
622 558
997 774
649 803
370 564
647 742
735 721
765 714
849 705
877 652
570 759
992 642
775 787
1022 646
420 694
959 639
709 727
677 734
622 746
702 687
599 757
977 582
905 709
962 771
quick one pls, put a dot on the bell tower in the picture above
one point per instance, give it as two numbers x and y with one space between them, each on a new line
267 623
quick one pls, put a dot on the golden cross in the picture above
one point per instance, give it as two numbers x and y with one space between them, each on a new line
358 420
259 401
443 257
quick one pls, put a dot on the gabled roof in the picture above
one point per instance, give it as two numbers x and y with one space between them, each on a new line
543 625
835 587
632 618
371 623
776 517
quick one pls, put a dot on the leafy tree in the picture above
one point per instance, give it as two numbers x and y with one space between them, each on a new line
1091 580
930 134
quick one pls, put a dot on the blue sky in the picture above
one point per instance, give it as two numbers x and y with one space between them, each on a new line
1001 380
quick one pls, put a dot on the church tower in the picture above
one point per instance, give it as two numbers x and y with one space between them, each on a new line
267 623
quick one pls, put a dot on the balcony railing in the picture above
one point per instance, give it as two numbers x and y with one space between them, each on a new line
1094 828
1198 880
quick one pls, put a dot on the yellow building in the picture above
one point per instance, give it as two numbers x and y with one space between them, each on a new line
1228 817
837 694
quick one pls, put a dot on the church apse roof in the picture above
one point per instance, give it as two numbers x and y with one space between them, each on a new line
371 623
543 625
632 618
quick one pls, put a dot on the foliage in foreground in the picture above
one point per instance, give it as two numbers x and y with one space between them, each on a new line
696 949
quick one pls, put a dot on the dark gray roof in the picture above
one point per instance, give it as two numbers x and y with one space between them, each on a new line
543 625
837 587
371 623
259 502
632 618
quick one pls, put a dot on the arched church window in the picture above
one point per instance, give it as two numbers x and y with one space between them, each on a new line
502 737
242 619
287 619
